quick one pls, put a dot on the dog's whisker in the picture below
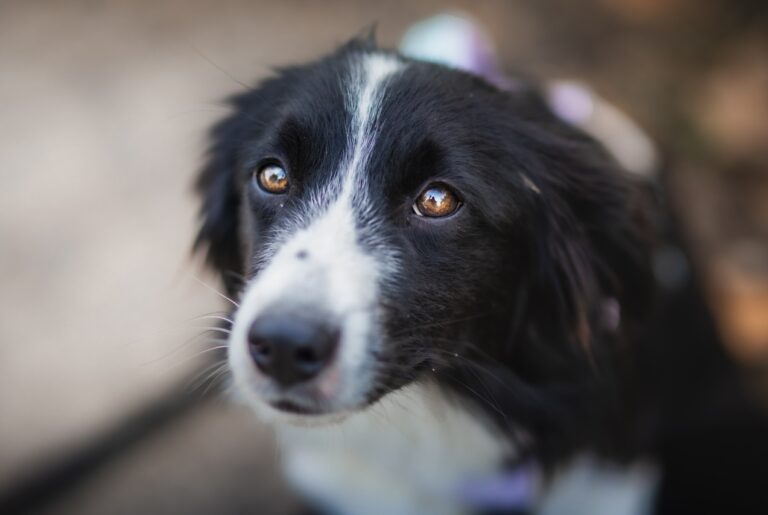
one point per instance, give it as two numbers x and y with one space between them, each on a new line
208 329
197 338
209 349
214 290
213 316
220 344
214 377
203 375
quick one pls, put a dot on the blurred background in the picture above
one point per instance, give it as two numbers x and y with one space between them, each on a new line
104 108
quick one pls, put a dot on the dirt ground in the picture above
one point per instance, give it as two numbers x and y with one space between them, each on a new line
103 113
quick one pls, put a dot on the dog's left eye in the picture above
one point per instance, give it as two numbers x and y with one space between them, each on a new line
272 178
436 201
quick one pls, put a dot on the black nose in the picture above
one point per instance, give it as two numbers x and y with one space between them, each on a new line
290 349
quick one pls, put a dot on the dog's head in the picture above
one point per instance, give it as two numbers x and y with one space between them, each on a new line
397 221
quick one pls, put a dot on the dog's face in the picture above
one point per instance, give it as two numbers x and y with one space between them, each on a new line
397 221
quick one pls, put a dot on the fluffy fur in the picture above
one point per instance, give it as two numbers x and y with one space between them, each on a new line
469 343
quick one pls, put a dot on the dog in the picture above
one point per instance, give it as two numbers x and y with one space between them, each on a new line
438 282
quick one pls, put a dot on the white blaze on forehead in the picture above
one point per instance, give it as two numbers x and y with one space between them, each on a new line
364 104
367 78
337 278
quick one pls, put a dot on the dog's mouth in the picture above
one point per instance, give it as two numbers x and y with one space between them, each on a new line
294 408
329 392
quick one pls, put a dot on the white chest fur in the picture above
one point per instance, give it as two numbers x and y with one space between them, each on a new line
408 454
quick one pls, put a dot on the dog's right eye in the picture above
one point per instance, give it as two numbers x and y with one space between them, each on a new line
272 178
438 200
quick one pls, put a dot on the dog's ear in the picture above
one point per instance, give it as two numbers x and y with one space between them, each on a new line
591 271
363 41
218 236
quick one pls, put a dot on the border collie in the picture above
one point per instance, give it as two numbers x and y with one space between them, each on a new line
437 281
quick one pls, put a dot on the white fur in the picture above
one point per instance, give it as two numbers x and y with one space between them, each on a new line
590 487
337 279
411 452
408 454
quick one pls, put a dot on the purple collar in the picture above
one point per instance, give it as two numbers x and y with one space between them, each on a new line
514 489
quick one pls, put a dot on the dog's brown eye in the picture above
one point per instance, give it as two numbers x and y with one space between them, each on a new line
436 201
272 178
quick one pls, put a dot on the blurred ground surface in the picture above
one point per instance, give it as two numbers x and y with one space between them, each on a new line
212 461
103 109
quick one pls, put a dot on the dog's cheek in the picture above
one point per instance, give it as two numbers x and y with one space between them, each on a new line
424 317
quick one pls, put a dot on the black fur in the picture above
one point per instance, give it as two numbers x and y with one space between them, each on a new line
502 300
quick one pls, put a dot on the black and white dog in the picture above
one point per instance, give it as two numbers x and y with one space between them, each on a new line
437 280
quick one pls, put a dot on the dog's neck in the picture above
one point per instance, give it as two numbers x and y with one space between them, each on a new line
413 452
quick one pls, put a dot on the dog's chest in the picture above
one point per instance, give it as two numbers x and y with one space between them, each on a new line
408 454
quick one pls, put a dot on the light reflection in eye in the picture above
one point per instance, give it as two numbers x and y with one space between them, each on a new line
436 201
273 178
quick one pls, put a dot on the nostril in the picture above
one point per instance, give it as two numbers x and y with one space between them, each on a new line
302 254
306 355
262 348
261 352
291 349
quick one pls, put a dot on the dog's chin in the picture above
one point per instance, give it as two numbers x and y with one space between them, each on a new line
284 411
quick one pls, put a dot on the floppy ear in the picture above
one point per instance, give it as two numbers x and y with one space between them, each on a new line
218 236
591 261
